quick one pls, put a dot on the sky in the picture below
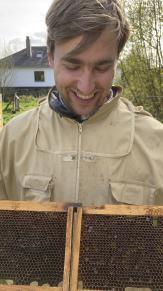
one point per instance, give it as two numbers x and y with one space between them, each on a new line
21 18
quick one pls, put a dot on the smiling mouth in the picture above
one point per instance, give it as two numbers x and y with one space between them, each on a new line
84 98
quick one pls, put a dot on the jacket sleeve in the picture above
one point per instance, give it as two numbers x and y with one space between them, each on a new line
3 194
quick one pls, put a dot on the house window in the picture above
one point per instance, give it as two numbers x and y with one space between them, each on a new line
39 54
39 76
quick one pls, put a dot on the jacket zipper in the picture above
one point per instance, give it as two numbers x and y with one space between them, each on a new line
80 129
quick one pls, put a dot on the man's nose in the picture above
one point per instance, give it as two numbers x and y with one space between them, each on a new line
86 82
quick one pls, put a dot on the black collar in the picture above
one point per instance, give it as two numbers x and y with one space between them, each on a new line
56 103
58 106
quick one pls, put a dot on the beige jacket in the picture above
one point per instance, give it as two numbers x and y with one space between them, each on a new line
114 157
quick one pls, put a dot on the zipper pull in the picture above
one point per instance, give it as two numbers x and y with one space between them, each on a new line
80 128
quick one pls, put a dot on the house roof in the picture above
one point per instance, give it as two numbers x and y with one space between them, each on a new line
37 58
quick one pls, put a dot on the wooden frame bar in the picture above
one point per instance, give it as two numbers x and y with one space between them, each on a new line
28 288
32 206
75 253
128 210
67 262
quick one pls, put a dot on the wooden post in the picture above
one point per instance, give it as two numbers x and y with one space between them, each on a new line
1 116
76 250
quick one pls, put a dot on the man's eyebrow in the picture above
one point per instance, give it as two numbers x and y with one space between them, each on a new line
71 60
76 61
105 62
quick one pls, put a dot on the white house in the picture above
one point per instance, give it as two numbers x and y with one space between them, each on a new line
29 69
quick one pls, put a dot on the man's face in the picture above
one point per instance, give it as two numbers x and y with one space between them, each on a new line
83 80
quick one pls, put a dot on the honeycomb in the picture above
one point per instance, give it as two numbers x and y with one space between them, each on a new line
117 252
32 247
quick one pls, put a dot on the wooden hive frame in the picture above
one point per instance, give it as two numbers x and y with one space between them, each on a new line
120 210
47 207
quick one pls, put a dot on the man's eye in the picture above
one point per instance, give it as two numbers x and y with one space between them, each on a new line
71 67
103 68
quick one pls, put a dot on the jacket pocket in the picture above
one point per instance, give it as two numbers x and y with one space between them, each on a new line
37 188
130 193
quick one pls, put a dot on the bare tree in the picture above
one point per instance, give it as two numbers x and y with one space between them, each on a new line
6 70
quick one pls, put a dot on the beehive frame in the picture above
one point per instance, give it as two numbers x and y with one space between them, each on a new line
33 207
73 242
129 212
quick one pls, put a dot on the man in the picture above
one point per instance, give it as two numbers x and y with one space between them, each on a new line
84 143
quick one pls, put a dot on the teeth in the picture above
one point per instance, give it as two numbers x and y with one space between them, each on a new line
84 97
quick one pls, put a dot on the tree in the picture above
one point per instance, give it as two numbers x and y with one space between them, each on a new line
6 70
141 65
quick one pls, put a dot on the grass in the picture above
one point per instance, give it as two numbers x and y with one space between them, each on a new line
26 103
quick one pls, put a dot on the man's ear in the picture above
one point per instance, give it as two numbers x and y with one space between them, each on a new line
51 59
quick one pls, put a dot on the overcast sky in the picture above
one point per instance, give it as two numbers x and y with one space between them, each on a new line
19 18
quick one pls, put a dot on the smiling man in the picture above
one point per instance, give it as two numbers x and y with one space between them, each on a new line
84 143
84 80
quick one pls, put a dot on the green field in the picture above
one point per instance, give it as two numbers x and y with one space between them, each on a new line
26 103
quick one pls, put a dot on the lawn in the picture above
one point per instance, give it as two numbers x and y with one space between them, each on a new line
26 103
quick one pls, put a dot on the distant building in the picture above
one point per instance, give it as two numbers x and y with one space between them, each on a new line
29 68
